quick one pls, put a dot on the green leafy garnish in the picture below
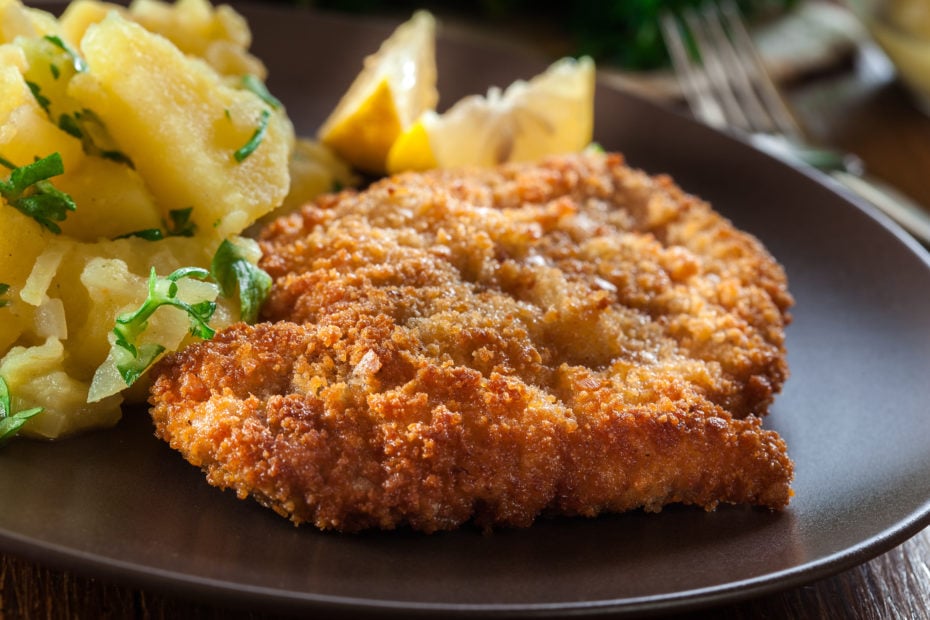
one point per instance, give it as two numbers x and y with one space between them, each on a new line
56 72
254 85
4 289
80 65
41 99
249 147
87 127
10 422
133 358
230 269
234 273
149 234
117 156
180 226
29 191
69 125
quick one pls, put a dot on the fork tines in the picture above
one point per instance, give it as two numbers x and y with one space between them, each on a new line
729 85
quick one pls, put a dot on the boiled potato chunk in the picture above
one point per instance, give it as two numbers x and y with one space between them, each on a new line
80 14
120 205
181 125
146 125
35 378
95 283
15 319
17 20
167 327
110 278
21 242
218 35
15 92
25 129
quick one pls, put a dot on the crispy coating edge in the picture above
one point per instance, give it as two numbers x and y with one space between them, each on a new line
348 421
447 446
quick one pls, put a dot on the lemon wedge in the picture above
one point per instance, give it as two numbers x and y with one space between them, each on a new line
396 85
552 113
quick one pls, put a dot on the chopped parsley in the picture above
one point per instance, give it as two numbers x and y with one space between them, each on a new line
249 147
41 99
235 274
180 226
149 234
4 289
254 85
85 125
29 191
69 125
230 269
10 422
79 64
134 358
62 109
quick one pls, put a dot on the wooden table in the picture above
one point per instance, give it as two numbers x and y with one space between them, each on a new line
858 109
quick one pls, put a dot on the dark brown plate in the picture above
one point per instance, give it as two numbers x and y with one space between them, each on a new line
120 504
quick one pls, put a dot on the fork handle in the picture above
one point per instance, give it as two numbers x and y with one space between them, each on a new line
902 209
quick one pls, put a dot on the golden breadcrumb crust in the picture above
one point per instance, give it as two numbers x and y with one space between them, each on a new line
570 337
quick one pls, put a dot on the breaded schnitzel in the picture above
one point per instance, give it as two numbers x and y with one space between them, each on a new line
490 345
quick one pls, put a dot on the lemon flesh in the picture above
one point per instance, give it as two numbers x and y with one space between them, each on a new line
396 85
551 114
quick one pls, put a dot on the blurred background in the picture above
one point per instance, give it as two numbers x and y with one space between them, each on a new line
623 33
855 73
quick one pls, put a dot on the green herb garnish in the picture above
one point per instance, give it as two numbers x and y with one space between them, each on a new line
41 99
85 125
10 422
149 234
230 269
80 65
29 191
70 126
56 72
4 289
249 147
235 274
133 358
180 226
254 85
117 156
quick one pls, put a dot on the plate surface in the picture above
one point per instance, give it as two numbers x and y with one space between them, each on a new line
121 504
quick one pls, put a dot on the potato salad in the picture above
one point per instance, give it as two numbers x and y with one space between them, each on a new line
136 144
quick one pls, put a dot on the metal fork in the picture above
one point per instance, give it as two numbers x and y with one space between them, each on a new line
730 88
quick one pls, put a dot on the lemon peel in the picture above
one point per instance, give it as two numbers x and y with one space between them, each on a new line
396 85
551 114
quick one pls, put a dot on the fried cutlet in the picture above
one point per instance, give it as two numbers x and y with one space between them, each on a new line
492 345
